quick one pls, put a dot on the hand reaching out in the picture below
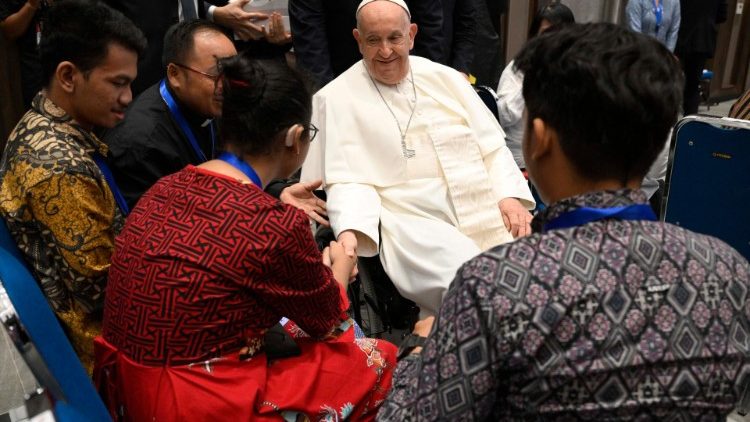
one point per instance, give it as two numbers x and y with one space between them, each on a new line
276 33
232 16
300 195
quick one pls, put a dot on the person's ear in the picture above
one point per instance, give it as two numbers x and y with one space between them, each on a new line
294 138
173 74
67 76
412 34
543 137
360 41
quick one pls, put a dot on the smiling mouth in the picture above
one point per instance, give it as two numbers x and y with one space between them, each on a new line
388 61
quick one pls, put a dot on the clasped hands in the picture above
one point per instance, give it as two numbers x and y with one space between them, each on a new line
244 24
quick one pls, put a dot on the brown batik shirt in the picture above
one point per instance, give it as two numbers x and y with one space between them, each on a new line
62 214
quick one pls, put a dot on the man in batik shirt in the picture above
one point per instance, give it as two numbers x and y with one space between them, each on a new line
53 196
602 313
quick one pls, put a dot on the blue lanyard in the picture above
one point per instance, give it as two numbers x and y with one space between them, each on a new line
101 162
659 13
175 110
242 166
585 215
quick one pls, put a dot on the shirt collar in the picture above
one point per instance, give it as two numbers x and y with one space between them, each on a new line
194 119
597 199
85 138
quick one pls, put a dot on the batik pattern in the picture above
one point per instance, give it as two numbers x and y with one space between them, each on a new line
60 211
611 320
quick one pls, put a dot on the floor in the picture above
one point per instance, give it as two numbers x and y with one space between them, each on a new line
718 110
15 377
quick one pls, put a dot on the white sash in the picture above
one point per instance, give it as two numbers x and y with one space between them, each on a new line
469 185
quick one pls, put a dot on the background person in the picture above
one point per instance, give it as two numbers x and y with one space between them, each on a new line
656 18
696 43
21 22
510 103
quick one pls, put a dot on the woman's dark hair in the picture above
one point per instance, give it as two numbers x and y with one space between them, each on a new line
611 95
555 13
262 98
81 31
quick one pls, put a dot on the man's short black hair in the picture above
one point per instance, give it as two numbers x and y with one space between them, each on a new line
180 39
611 94
555 13
81 31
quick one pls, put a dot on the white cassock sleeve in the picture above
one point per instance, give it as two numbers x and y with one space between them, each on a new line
507 180
355 206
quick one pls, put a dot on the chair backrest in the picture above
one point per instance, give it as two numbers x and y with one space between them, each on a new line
489 98
7 243
708 179
41 341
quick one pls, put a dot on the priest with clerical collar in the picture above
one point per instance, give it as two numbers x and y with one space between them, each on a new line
414 165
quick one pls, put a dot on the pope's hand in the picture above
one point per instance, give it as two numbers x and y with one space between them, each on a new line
348 240
516 218
300 195
232 16
342 264
423 327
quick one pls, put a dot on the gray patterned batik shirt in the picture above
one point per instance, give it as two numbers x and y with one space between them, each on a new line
611 320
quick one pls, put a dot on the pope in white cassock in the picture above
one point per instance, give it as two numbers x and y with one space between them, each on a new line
414 165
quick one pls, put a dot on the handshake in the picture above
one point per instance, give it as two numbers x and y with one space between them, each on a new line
343 263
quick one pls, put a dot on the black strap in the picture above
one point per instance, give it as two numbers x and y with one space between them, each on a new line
411 342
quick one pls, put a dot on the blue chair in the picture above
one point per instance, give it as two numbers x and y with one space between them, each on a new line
41 341
708 179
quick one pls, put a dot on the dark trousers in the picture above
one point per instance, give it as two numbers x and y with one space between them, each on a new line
692 66
488 57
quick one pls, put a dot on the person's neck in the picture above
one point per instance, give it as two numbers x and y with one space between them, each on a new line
65 102
267 169
580 186
392 85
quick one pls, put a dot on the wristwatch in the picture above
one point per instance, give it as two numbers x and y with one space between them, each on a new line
411 342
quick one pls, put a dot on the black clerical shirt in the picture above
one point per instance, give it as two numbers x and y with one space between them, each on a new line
149 144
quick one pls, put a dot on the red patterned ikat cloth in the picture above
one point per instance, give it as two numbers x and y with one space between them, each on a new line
206 264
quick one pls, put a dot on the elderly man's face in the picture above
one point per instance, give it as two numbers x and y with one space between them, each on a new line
385 37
